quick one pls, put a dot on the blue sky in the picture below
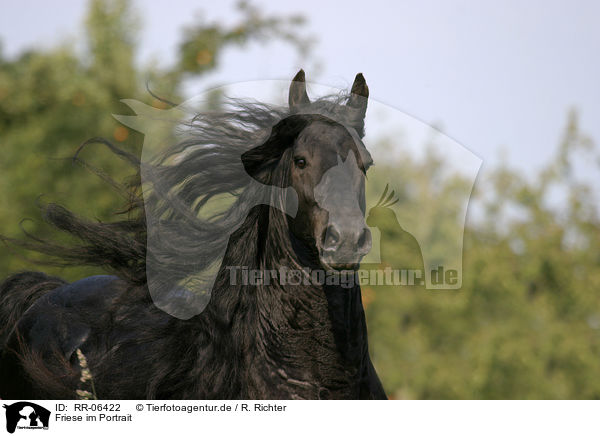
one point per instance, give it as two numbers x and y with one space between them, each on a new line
494 75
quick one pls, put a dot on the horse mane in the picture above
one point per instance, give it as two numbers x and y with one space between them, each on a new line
184 178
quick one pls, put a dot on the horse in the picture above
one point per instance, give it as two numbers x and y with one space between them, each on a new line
107 336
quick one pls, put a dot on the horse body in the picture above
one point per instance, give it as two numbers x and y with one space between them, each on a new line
311 346
253 340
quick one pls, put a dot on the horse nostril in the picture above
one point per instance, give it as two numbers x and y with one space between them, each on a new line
331 237
364 241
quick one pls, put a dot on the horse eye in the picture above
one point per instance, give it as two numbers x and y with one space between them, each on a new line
300 162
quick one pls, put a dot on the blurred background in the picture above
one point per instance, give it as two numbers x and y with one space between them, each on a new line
516 83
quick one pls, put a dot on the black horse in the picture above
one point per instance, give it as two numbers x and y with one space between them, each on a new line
265 340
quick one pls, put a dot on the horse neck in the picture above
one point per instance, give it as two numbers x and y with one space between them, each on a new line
277 314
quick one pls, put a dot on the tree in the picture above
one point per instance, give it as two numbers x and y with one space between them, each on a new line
50 102
526 322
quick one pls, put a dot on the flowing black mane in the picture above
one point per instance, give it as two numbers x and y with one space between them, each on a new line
179 191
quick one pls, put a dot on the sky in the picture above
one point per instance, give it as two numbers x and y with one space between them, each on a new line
497 77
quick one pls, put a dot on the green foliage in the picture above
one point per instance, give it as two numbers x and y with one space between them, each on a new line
204 43
52 101
526 323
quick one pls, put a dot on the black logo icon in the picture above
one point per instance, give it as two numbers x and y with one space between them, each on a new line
26 415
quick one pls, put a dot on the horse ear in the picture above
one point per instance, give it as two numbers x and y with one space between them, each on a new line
298 95
359 94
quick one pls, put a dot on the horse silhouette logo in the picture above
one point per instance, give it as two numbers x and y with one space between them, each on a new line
26 415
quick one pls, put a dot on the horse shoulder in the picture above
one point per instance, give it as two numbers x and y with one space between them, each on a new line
63 319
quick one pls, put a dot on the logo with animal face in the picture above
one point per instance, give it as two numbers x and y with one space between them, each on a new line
307 175
26 415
